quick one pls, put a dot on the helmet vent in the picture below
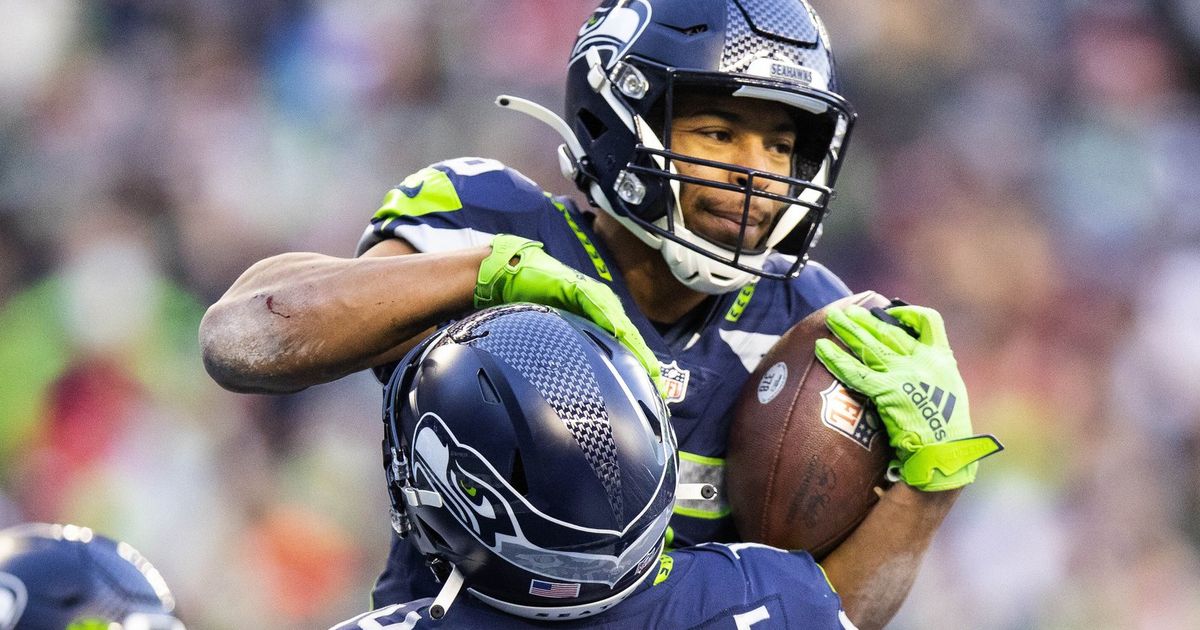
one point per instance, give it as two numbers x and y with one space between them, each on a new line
689 30
600 345
517 479
487 389
652 417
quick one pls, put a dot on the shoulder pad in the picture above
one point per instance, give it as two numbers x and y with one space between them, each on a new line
472 183
458 203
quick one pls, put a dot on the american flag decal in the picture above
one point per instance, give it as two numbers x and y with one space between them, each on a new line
555 590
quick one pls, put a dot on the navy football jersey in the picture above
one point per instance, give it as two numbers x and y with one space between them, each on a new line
465 202
715 586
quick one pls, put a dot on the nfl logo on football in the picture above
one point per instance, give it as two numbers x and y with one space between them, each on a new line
846 414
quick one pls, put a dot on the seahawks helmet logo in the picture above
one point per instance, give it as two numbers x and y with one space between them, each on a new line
499 517
612 30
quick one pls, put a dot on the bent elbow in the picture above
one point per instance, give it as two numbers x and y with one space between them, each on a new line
217 350
234 353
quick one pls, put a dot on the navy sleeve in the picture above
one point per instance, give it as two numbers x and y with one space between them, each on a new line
817 285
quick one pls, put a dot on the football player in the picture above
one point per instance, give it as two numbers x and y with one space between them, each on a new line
531 460
707 136
66 577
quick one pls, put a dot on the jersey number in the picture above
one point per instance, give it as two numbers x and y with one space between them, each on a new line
370 621
751 617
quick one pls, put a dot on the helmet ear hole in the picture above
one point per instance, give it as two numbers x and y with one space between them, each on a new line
592 124
432 534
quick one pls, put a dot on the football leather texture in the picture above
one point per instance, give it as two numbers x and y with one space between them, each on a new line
805 453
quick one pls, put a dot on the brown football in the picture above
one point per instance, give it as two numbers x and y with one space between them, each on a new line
805 453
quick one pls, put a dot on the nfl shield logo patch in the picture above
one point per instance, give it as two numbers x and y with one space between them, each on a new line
676 379
847 414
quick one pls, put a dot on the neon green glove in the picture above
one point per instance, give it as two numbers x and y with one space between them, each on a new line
916 387
518 270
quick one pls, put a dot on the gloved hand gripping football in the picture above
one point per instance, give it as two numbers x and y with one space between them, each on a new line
916 387
518 270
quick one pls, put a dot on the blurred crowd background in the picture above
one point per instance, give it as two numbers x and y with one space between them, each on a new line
1030 168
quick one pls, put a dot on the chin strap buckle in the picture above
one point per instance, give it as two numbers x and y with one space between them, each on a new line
567 164
418 498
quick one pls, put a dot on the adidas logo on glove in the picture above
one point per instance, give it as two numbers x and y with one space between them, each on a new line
930 404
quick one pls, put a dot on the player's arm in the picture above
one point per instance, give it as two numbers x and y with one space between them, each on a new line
296 320
874 568
910 374
299 319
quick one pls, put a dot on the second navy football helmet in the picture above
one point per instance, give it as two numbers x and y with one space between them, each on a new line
530 457
66 577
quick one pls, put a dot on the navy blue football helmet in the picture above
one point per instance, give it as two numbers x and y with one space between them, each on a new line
65 577
530 457
631 59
